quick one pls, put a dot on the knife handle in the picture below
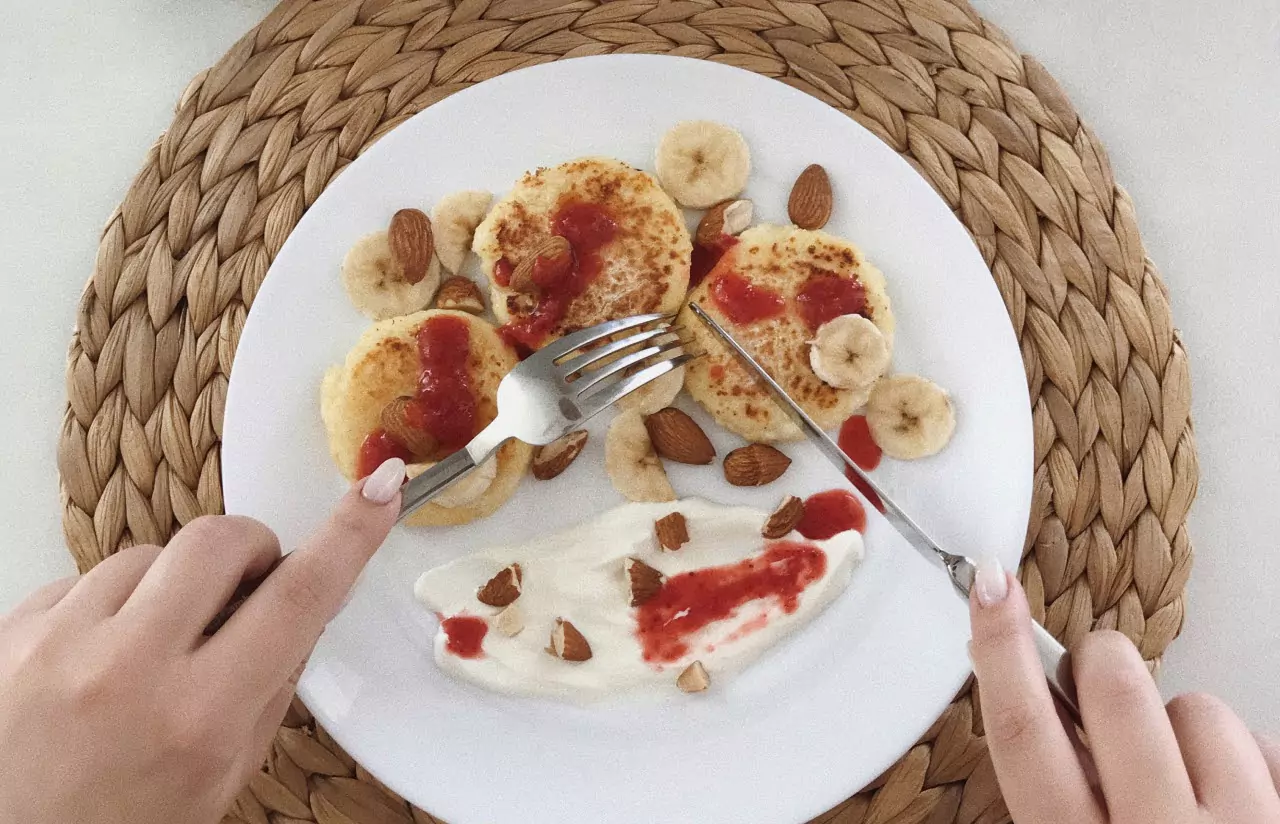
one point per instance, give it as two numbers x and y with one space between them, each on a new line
1056 661
426 486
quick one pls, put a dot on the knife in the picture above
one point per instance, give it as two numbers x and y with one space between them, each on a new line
960 569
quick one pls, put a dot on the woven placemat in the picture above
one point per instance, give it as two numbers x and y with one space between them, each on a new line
258 136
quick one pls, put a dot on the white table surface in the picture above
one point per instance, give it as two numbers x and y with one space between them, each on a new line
1182 93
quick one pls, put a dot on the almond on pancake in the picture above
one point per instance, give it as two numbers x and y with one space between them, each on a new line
771 291
386 364
631 249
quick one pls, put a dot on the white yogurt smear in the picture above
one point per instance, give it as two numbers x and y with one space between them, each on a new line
578 575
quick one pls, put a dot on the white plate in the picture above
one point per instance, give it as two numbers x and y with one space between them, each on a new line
814 720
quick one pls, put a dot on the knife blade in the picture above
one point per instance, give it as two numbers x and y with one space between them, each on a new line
959 568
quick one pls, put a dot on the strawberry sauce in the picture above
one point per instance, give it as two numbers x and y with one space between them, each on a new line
692 600
830 513
742 301
588 227
856 442
445 404
706 256
826 296
464 635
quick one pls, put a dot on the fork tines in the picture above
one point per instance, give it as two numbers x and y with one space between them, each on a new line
604 365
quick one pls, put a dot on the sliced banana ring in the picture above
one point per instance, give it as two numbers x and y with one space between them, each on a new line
701 163
453 222
910 417
465 491
633 466
375 281
849 352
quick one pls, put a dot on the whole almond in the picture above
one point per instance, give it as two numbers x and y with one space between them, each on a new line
694 678
395 420
784 518
728 217
677 437
754 465
554 458
502 588
644 580
556 249
460 295
672 531
411 243
569 644
809 206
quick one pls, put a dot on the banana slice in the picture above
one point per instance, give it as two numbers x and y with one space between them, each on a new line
375 282
656 394
453 222
701 163
910 417
849 352
633 467
462 492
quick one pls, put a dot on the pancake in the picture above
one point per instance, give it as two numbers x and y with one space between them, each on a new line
640 265
785 260
385 364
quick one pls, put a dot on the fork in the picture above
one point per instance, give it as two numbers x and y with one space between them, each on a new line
559 387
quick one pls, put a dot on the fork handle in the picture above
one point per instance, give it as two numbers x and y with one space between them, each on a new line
426 486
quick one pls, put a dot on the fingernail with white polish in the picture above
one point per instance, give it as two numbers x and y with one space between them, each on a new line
385 482
990 583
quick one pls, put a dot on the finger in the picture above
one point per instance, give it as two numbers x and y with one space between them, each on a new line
275 629
1228 772
42 600
1139 763
1032 753
101 591
198 572
1271 754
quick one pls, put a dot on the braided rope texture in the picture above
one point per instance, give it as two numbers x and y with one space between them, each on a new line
258 136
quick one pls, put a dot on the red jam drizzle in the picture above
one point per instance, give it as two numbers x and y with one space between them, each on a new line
830 513
502 272
464 635
827 296
706 256
445 405
378 448
742 301
588 227
690 601
856 442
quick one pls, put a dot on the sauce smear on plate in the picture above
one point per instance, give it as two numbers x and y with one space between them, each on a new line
856 442
691 600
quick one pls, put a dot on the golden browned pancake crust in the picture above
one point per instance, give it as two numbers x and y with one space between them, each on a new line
780 258
384 365
645 267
